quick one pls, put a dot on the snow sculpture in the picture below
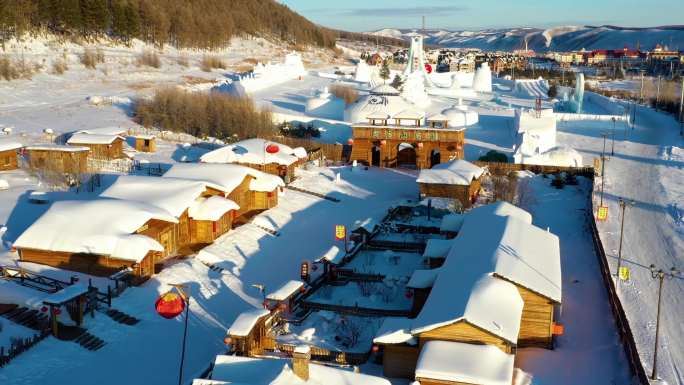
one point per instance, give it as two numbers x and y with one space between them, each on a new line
383 99
414 90
264 76
362 73
325 105
460 116
416 60
482 81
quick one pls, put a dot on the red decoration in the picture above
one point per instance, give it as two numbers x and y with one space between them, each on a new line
428 68
409 293
58 311
303 289
170 305
272 148
375 348
44 309
383 142
350 142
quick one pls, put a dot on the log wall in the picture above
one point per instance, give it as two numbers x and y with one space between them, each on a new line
464 194
105 151
146 145
8 160
536 325
399 361
462 331
58 161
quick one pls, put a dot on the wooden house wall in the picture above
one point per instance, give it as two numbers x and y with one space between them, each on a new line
265 200
399 360
462 331
105 151
252 344
537 320
58 161
243 196
8 160
140 145
93 264
285 172
166 233
208 231
464 194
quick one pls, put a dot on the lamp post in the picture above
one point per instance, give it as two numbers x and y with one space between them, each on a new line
612 147
262 289
623 206
659 274
603 166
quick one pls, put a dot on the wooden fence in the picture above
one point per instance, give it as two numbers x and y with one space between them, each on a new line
621 321
20 346
332 151
498 168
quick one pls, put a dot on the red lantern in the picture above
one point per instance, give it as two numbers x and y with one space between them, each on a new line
272 148
428 68
383 142
409 293
375 348
350 142
58 311
303 289
170 305
228 341
44 309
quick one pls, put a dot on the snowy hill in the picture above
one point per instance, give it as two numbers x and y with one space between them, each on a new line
562 38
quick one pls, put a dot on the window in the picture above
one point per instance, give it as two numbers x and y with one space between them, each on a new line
147 143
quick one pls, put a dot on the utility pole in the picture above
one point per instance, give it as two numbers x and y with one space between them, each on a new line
641 90
657 94
681 103
612 147
659 274
623 206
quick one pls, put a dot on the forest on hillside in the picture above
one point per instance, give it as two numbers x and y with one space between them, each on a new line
183 23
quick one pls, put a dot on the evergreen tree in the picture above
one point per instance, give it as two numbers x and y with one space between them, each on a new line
385 70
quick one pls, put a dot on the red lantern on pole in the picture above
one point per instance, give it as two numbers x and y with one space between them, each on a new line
375 348
350 141
272 148
44 309
169 305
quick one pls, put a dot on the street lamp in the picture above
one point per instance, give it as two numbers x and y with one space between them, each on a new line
261 288
612 148
659 274
623 205
603 166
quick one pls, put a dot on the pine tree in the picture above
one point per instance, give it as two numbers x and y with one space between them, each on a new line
385 70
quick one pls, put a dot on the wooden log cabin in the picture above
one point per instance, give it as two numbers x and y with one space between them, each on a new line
252 190
263 155
145 143
98 237
8 154
248 334
101 146
203 213
379 144
458 180
284 298
57 158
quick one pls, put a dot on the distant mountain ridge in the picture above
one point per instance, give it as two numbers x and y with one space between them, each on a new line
562 38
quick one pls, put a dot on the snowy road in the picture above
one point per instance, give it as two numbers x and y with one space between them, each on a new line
647 168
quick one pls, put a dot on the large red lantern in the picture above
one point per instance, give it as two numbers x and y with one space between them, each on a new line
272 148
170 305
350 141
428 68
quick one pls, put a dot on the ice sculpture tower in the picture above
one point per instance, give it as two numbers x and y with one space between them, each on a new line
416 60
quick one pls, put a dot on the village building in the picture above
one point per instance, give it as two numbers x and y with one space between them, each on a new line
61 159
389 132
298 371
145 143
203 214
249 330
101 146
252 190
98 237
263 155
283 299
9 159
458 180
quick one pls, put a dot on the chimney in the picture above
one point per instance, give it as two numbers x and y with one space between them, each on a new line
300 361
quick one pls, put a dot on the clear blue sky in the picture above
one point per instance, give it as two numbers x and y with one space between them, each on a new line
368 15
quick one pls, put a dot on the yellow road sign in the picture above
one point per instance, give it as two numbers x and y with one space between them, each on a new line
340 232
602 214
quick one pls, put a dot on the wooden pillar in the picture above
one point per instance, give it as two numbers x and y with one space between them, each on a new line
53 319
81 309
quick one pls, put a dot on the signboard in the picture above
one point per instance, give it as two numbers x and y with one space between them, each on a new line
340 232
304 271
624 273
602 214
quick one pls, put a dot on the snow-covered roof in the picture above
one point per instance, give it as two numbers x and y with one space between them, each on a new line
452 222
100 226
437 118
66 294
105 131
460 116
265 371
437 248
369 224
56 147
286 291
395 330
457 172
376 107
9 145
422 279
502 209
211 208
409 113
224 177
252 151
144 137
245 322
482 300
82 138
171 194
384 89
464 363
334 255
